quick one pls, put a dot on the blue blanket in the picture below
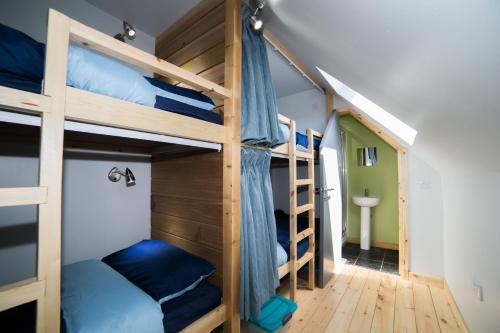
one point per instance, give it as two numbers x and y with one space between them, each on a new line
283 233
95 298
184 310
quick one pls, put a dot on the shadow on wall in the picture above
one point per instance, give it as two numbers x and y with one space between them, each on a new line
20 234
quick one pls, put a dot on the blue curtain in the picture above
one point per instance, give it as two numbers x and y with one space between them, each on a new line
259 113
259 273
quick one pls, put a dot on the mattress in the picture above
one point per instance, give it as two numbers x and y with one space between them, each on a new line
180 312
21 83
283 233
300 139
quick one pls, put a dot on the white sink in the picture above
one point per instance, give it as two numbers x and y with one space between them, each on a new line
365 203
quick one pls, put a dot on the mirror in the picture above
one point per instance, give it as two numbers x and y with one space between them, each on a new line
367 156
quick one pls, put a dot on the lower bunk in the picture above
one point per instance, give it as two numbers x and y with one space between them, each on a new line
149 287
284 240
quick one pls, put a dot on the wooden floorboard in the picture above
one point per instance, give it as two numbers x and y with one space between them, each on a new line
362 300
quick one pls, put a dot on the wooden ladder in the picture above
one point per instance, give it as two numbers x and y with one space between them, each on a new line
308 257
45 287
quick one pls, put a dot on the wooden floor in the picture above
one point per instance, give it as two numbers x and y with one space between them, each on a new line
363 300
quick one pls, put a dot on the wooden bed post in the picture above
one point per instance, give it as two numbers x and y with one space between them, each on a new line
292 160
312 212
51 169
231 173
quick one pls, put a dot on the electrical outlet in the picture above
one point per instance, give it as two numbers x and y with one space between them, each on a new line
478 291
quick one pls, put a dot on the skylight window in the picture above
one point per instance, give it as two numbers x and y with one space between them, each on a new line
372 110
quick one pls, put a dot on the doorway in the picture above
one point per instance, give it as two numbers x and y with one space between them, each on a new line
393 254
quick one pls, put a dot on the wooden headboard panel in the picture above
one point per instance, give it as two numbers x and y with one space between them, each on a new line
196 42
186 205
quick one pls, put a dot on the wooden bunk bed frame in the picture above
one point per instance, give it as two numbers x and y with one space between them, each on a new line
289 151
58 103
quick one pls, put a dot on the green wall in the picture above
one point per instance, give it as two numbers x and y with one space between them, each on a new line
381 180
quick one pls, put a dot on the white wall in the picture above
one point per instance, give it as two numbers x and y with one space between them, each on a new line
98 217
472 246
30 16
307 108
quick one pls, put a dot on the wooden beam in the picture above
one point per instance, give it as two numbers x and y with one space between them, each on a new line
18 100
329 103
110 46
232 165
292 59
292 165
403 214
21 196
208 322
371 126
50 173
98 109
21 293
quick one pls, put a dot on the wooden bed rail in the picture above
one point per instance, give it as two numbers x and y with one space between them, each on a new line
110 46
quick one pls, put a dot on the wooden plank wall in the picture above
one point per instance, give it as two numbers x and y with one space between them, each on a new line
186 205
196 43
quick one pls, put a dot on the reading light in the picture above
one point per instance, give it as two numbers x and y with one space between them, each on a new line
255 20
128 31
115 175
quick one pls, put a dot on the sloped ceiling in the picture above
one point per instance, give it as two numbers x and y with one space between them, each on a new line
433 64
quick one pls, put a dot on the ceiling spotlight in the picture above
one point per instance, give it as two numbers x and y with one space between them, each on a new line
128 31
255 20
115 175
256 23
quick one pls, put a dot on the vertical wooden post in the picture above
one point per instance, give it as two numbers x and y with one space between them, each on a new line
292 160
232 161
51 165
311 195
403 228
329 104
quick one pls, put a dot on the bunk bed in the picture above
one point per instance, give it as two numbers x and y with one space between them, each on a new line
299 240
56 107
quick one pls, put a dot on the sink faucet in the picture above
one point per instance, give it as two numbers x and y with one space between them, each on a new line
366 192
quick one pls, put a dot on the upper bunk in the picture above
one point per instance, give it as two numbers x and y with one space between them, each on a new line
298 143
94 112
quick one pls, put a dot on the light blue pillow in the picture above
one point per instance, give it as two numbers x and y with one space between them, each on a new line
97 299
100 74
281 255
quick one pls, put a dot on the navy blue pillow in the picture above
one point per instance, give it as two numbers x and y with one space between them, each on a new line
189 93
161 270
20 54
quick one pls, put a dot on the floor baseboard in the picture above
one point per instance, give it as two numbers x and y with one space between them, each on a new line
383 245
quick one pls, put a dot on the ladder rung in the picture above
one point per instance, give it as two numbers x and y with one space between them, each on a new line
301 182
18 100
304 155
20 196
308 256
304 208
21 293
303 234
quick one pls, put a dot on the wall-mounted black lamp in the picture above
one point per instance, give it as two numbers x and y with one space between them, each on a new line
115 175
128 31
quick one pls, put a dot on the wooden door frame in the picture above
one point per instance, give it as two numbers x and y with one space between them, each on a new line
402 184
